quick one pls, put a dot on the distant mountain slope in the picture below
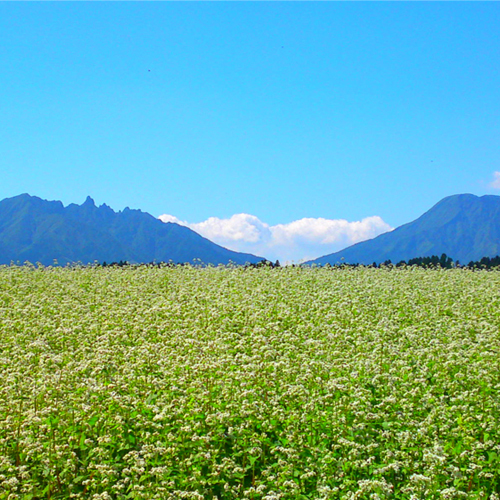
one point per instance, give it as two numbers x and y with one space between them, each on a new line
40 231
464 226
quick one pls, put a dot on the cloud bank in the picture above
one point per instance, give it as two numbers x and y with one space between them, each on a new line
296 241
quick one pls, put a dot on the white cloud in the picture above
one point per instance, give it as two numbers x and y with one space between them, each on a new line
240 227
495 183
296 241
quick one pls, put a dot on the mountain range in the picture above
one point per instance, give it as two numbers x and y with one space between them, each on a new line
464 226
36 230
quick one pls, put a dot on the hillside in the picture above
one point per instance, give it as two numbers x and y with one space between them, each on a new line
465 227
36 230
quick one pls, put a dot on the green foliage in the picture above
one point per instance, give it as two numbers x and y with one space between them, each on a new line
258 382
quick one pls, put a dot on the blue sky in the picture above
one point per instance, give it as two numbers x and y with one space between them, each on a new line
322 111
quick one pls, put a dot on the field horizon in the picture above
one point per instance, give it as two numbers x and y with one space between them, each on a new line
228 383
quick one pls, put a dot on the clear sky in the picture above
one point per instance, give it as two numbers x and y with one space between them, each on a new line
339 113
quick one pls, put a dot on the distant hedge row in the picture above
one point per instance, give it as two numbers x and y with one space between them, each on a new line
443 262
434 261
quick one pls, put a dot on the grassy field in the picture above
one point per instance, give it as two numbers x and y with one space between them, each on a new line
218 383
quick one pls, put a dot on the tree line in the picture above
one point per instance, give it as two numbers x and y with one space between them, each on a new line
434 261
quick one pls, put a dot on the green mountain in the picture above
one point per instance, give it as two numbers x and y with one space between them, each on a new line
36 230
464 227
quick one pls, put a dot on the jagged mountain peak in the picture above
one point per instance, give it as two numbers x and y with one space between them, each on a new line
40 231
89 201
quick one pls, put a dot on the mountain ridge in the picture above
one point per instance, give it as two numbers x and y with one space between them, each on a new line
37 230
463 226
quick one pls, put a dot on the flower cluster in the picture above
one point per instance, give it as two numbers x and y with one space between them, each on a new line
232 383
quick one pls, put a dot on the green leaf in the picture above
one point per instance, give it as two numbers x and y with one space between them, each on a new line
82 441
93 420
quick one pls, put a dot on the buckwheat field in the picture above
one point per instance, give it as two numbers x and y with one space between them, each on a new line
231 383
